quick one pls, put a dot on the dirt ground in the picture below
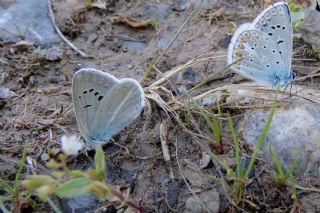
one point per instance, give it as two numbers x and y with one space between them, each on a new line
42 110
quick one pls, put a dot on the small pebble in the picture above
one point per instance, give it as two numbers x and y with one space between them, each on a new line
205 160
130 66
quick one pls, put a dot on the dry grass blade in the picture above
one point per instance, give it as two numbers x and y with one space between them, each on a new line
192 62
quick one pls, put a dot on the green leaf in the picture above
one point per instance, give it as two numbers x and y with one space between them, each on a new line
21 165
297 16
99 160
73 188
276 161
236 143
76 173
36 181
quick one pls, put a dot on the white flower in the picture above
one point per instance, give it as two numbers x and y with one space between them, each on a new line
70 145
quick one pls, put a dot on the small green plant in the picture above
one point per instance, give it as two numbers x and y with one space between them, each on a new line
88 3
155 21
282 176
293 6
316 50
66 183
240 175
20 33
149 68
296 14
13 193
215 124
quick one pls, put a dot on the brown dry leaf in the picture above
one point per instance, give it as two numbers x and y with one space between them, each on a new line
131 22
23 43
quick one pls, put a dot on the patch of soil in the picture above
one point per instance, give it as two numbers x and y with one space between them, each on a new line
42 110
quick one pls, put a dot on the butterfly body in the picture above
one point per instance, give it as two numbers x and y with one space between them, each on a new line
103 104
262 50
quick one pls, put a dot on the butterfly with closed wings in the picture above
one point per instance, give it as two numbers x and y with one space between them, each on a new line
262 50
103 104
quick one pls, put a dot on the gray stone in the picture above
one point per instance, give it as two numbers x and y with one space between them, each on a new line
6 93
189 75
209 198
172 194
295 129
80 204
310 27
310 203
137 45
186 4
209 100
205 160
28 19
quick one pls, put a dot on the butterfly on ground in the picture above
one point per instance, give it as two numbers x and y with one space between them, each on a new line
262 50
103 104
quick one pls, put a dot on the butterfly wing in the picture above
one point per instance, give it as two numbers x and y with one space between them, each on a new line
119 108
275 22
257 56
260 53
89 86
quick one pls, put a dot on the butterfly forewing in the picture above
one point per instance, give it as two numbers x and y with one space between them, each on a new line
121 107
276 23
89 87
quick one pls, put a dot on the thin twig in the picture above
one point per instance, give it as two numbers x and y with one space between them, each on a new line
179 31
51 14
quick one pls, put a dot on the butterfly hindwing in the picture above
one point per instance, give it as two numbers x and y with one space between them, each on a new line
119 108
89 86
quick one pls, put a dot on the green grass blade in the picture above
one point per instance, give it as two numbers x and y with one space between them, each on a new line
53 205
6 186
21 165
236 142
276 161
262 136
293 166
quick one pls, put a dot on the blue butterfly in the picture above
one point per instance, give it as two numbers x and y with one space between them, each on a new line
103 104
262 50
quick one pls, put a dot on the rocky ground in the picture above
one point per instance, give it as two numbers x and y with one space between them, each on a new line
125 38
